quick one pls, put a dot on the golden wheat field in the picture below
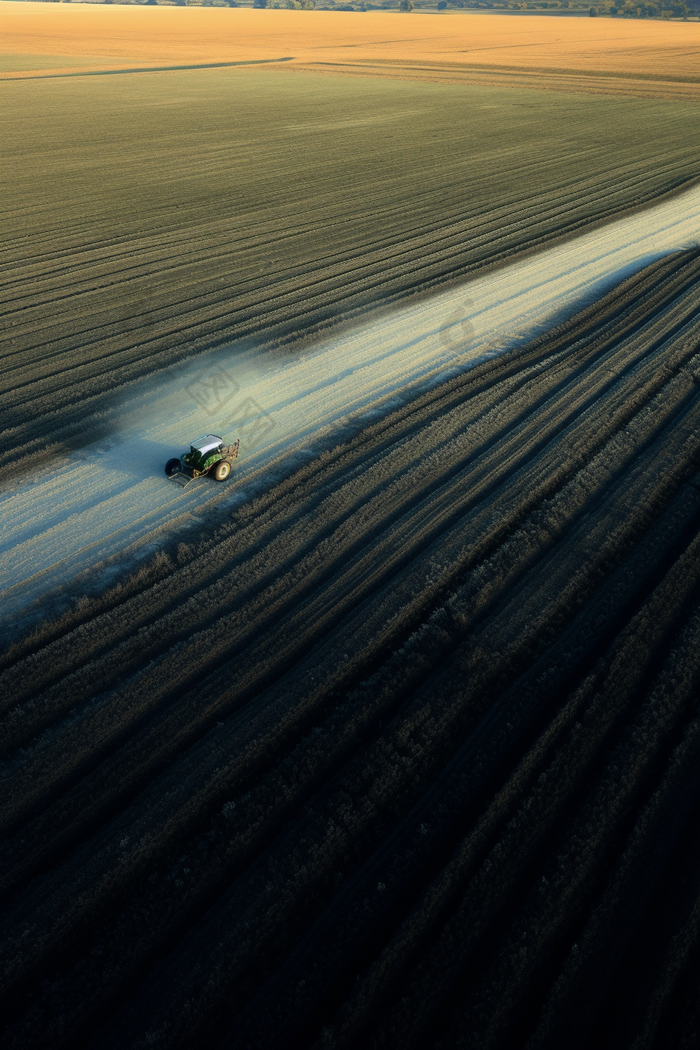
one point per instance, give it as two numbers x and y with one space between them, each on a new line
631 57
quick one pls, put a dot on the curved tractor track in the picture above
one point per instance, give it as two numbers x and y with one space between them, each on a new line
408 753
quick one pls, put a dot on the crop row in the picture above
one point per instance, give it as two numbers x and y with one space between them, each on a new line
334 488
435 708
193 242
49 760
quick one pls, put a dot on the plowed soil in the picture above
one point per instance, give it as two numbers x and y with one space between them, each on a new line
407 753
70 524
146 219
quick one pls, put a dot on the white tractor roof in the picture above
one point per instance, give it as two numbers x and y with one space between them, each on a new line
207 443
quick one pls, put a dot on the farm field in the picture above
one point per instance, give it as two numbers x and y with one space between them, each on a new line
406 752
70 526
656 58
252 207
393 741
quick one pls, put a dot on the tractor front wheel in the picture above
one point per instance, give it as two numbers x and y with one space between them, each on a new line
222 470
172 467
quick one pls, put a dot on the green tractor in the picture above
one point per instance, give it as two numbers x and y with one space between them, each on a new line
207 455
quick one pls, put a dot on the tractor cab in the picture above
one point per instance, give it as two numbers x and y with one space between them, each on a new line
207 455
204 452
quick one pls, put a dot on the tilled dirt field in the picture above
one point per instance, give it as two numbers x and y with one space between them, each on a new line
149 218
68 527
408 753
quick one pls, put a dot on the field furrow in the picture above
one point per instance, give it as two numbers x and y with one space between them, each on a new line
378 760
154 259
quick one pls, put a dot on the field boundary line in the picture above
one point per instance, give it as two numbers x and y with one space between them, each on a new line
146 69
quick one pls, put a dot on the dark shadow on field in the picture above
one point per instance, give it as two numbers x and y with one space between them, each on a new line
97 439
82 430
158 69
138 458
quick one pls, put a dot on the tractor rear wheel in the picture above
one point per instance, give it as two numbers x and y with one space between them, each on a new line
222 470
172 467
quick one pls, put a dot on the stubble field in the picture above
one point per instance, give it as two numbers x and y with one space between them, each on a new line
255 206
403 749
625 56
406 753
